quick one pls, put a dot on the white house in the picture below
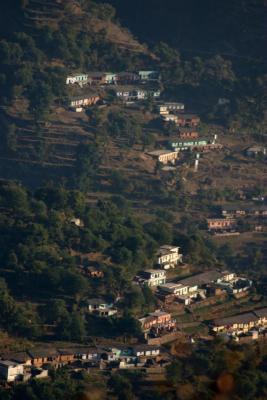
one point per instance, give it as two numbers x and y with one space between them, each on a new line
165 108
79 78
110 78
146 351
152 277
148 75
168 256
84 100
106 312
98 304
175 288
86 353
11 371
133 94
164 156
170 118
183 293
101 308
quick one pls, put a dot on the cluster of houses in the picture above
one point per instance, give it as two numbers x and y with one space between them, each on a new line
256 151
167 257
78 103
174 112
127 86
131 94
237 210
187 134
157 324
36 363
197 144
113 78
200 286
101 308
194 288
252 324
227 222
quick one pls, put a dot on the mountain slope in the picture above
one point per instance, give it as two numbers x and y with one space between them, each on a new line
235 28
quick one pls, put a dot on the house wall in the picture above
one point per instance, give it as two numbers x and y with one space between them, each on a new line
181 291
38 362
185 135
66 358
220 223
156 281
76 79
88 101
10 373
171 257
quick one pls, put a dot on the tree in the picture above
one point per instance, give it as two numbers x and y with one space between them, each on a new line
11 141
14 196
88 156
77 327
174 372
73 283
119 181
56 310
167 54
40 96
121 387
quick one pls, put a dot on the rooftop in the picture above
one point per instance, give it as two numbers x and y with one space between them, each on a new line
221 219
261 313
256 148
43 352
236 319
187 115
85 350
170 103
201 279
96 301
161 152
158 313
187 129
8 363
200 139
84 96
145 347
168 247
132 88
245 207
153 271
20 357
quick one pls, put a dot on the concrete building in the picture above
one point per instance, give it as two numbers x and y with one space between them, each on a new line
255 151
168 256
84 100
152 277
148 75
237 210
236 324
164 156
166 108
78 78
144 350
221 224
188 144
136 94
187 133
11 371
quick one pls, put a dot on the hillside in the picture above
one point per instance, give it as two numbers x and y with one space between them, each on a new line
133 200
232 28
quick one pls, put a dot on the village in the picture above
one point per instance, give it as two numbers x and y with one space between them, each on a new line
175 296
134 88
179 290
